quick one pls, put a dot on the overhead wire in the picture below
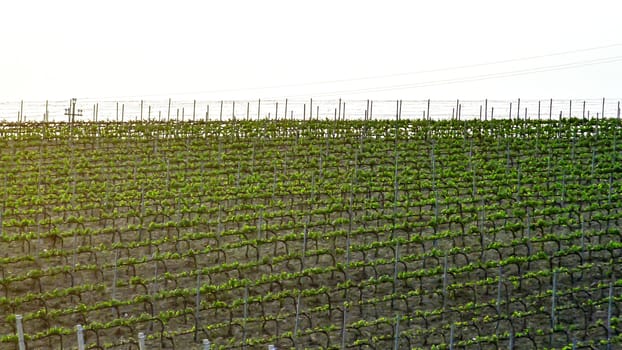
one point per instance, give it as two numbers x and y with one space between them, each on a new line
535 70
376 77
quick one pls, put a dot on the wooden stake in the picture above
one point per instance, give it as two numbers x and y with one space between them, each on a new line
371 108
20 332
80 336
197 303
141 341
459 111
428 112
168 116
554 301
396 331
339 116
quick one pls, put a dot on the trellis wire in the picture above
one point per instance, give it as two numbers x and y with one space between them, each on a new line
127 110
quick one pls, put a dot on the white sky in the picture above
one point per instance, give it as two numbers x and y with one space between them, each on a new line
271 49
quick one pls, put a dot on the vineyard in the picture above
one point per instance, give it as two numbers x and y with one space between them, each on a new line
375 234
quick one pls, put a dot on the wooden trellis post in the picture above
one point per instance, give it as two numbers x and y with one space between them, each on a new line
72 112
